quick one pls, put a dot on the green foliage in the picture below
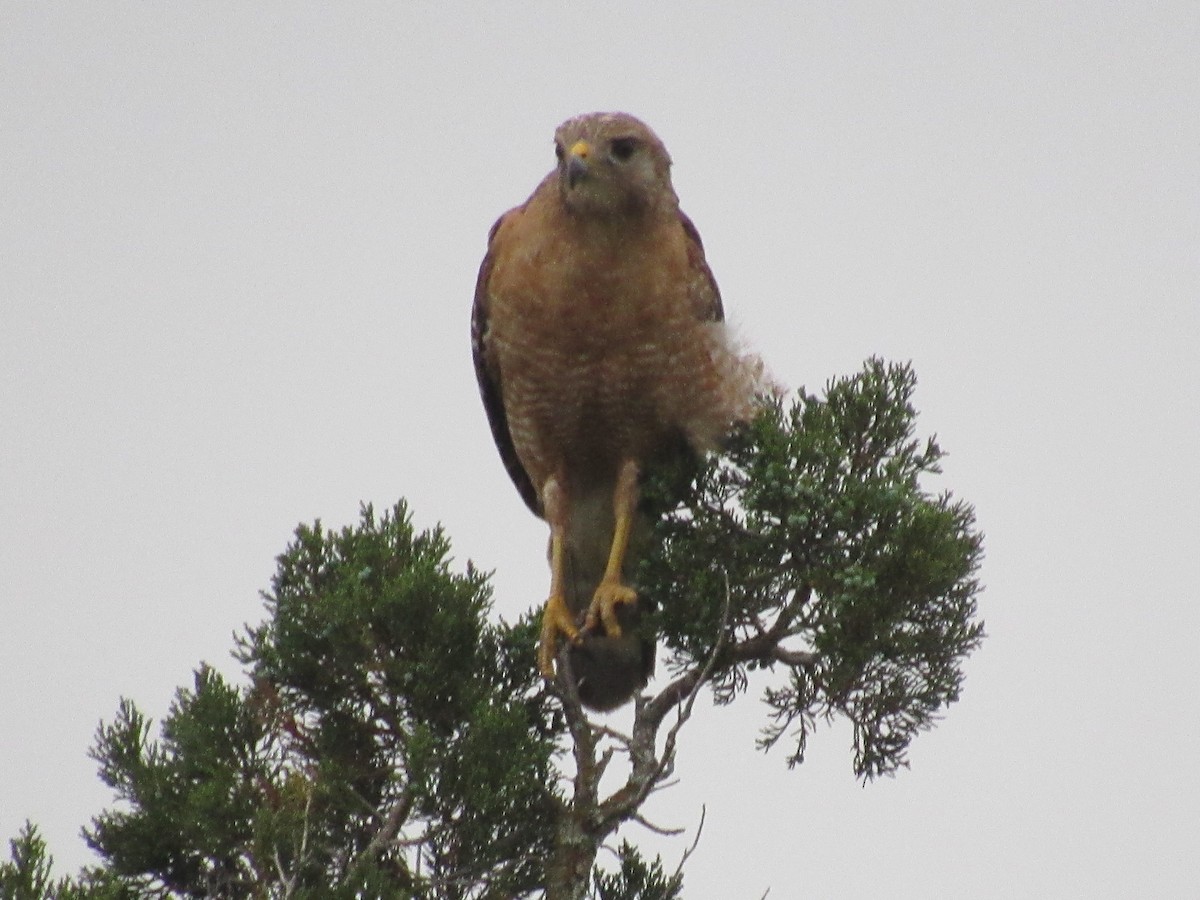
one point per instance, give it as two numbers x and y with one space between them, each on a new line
190 800
382 657
391 742
637 880
28 874
814 533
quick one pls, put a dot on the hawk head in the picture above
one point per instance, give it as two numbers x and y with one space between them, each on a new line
612 164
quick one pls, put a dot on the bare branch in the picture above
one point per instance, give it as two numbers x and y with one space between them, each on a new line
588 821
662 785
794 657
696 843
390 827
657 829
619 736
649 769
289 884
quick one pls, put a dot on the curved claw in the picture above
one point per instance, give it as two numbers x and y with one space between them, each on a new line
603 611
556 620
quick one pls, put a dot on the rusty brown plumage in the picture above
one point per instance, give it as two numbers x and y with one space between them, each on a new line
600 350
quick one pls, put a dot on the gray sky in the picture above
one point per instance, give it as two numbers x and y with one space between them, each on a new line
237 253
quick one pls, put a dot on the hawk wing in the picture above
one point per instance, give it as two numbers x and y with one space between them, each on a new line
487 373
705 295
706 300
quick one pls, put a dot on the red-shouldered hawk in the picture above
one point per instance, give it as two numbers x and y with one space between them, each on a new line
600 350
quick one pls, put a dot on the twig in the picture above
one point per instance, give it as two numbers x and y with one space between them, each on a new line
289 884
794 657
661 785
618 736
657 829
696 843
684 688
302 851
391 825
587 821
649 769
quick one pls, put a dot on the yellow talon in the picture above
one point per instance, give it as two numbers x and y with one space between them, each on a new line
609 595
556 619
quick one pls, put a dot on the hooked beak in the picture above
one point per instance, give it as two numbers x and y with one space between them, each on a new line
577 164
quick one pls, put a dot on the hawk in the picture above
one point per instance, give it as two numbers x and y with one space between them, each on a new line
600 351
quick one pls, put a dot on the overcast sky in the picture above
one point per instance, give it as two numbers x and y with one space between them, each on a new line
237 253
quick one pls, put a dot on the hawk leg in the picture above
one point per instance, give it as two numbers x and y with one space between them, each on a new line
557 618
611 592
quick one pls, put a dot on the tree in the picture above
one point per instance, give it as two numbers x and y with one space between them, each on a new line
394 741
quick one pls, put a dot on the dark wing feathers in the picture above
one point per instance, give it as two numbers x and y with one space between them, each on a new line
490 388
708 305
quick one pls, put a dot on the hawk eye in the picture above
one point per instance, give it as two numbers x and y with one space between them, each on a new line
622 148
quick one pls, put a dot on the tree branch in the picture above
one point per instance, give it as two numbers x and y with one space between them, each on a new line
696 843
